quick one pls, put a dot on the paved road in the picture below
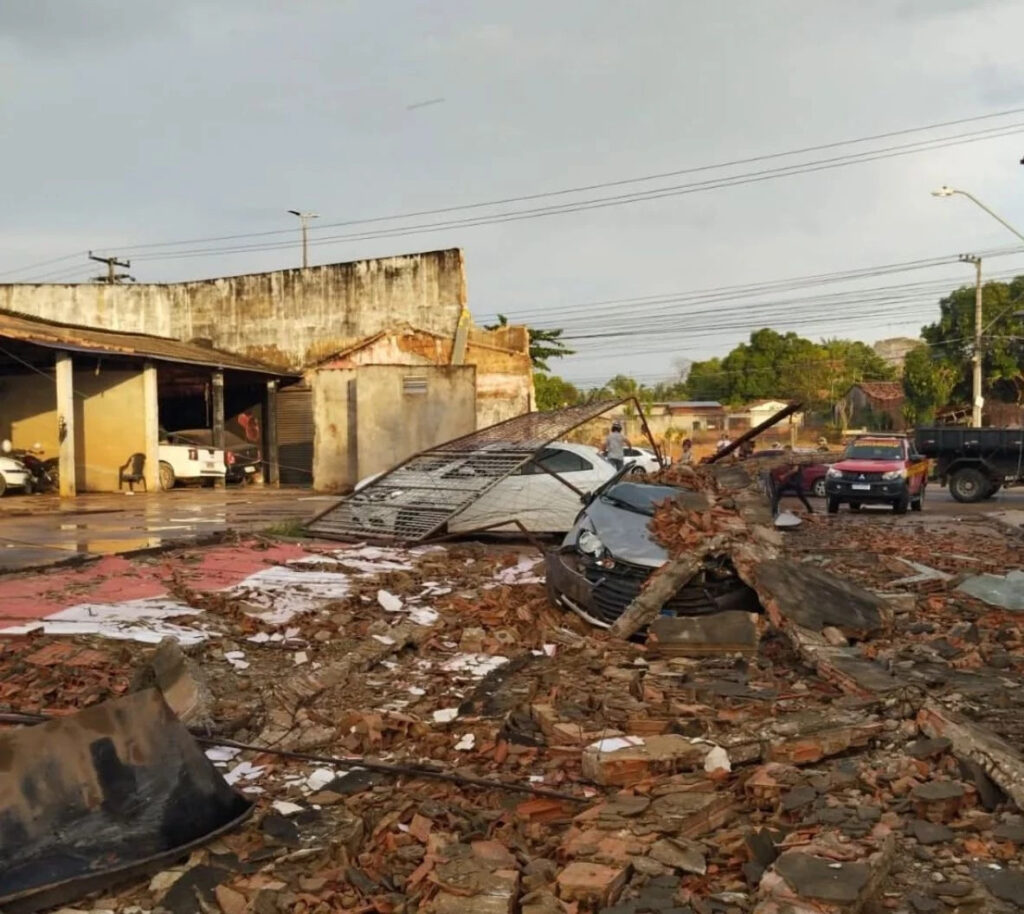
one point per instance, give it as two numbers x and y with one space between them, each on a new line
40 529
1007 506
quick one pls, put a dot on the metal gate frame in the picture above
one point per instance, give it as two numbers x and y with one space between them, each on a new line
496 452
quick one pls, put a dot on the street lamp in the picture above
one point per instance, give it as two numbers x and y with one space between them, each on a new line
947 191
978 401
304 220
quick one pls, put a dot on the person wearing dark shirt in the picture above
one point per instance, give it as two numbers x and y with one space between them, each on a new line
787 480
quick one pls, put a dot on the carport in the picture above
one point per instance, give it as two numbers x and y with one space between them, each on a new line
95 397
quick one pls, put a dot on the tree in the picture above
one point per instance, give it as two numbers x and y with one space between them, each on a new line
544 344
952 338
928 381
553 392
707 381
788 367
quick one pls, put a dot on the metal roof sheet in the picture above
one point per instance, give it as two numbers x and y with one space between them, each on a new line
416 498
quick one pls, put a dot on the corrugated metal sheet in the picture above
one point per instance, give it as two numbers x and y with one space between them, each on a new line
53 335
295 435
415 499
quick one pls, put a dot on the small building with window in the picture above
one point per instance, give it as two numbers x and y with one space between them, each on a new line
689 415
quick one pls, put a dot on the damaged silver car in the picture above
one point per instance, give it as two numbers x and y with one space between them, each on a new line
607 556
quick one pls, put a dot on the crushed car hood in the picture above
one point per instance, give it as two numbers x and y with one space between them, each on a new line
626 534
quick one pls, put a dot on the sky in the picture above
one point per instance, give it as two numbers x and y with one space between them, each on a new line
142 122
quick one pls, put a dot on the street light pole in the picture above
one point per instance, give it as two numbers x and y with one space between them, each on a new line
978 402
947 191
304 221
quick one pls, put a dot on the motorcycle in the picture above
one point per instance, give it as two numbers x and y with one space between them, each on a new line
45 473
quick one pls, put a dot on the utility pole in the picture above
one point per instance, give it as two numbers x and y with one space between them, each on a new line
976 399
112 277
304 220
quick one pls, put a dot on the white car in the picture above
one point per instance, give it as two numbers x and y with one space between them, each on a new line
531 496
14 475
184 460
642 460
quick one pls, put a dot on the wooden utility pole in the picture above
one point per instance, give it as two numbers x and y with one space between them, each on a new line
112 276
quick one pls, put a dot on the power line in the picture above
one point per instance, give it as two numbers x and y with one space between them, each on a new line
817 304
717 294
580 206
597 382
42 263
523 198
605 202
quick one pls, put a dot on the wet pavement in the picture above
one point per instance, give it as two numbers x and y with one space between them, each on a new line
40 529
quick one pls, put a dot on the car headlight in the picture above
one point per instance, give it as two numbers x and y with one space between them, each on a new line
589 543
894 474
833 473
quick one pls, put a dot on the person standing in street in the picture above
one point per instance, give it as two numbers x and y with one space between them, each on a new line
787 480
687 456
615 446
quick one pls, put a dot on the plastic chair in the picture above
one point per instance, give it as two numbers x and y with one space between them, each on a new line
132 472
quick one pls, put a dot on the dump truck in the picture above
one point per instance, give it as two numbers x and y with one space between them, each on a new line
974 462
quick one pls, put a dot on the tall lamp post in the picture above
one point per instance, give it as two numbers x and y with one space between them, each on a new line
304 220
976 397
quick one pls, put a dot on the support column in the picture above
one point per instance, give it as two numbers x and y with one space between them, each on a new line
151 426
66 424
218 415
271 452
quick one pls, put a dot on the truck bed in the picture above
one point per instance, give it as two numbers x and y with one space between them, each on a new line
991 443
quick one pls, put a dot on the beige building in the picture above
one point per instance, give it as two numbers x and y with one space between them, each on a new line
754 413
327 325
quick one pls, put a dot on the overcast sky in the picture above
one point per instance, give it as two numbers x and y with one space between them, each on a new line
142 121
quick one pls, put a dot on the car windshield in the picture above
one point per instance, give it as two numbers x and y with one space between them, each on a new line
874 450
638 497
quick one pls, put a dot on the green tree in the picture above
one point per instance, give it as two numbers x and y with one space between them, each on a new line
786 366
553 392
621 387
928 381
707 381
952 338
544 344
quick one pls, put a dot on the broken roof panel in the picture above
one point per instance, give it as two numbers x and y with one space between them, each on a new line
416 498
53 335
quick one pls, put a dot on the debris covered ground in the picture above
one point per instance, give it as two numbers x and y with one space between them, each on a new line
832 761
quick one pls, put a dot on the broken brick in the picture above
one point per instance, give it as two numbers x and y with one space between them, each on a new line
591 883
654 755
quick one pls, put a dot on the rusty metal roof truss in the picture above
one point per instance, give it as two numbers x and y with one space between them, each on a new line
415 499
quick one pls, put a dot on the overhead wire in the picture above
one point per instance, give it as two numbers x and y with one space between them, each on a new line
615 200
745 290
596 382
584 188
816 304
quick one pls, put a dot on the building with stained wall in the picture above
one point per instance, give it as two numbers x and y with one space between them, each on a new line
402 311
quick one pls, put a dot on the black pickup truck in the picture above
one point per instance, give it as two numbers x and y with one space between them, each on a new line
975 462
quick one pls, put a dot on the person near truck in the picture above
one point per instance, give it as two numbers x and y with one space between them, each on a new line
615 446
787 480
686 458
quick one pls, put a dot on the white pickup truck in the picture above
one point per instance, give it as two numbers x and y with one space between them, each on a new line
182 459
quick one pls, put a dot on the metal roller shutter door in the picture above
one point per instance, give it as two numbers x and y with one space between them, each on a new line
295 435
